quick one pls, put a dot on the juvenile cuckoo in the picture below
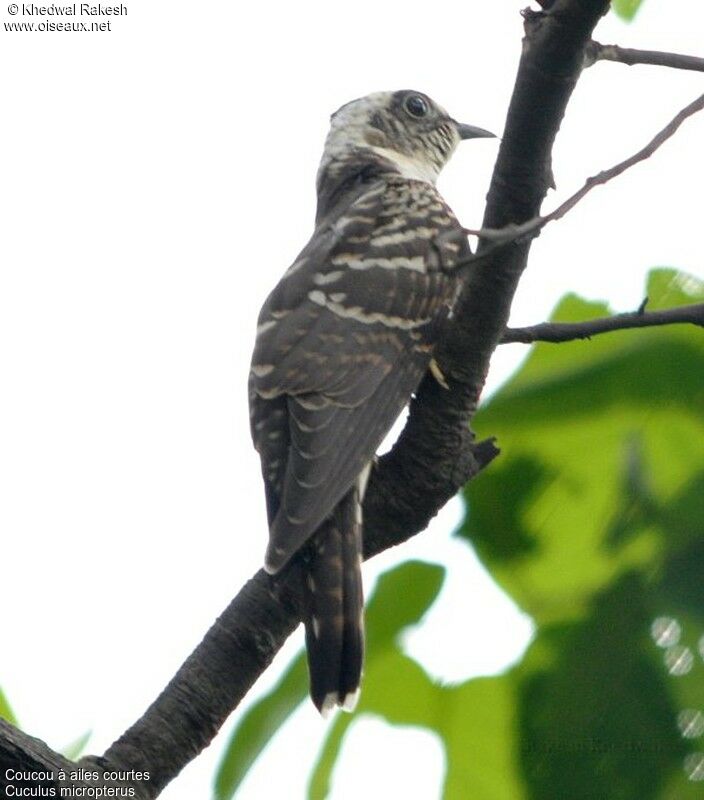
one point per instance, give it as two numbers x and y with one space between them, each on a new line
342 342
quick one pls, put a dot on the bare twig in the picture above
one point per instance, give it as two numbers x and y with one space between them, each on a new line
629 56
531 228
569 331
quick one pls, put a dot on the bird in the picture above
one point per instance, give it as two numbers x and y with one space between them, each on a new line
343 341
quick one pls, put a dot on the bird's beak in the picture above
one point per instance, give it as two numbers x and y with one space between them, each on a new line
472 132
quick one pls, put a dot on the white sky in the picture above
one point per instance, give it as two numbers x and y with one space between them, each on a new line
156 181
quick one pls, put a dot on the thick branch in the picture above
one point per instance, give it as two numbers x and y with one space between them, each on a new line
569 331
433 457
626 55
435 454
24 755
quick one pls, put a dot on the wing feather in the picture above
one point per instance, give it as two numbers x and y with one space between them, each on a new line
343 341
313 487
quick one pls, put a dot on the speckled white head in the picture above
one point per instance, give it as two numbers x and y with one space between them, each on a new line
406 127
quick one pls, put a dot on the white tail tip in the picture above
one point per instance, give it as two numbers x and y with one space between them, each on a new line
350 702
329 703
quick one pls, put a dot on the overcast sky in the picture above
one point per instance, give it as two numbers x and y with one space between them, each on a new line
156 180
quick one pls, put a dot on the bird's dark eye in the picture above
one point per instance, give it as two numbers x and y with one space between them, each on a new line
416 105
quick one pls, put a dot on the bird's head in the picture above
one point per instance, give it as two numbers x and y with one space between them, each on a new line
406 128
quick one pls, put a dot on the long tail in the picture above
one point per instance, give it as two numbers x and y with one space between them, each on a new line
334 607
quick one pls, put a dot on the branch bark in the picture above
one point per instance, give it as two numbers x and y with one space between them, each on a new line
570 331
28 764
435 454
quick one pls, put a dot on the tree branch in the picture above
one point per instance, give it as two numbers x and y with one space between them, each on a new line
434 456
626 55
530 229
569 331
23 754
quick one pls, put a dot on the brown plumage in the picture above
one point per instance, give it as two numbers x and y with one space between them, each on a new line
342 343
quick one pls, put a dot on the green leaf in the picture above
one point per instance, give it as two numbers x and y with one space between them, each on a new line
75 749
598 721
401 598
593 521
626 8
479 730
474 720
6 712
598 439
668 288
319 786
259 723
472 717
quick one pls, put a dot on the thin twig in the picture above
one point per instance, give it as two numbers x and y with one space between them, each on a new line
531 228
629 56
569 331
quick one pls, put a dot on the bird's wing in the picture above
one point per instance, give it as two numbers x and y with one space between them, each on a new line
343 341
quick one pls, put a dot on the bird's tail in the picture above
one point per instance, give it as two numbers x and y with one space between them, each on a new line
334 618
